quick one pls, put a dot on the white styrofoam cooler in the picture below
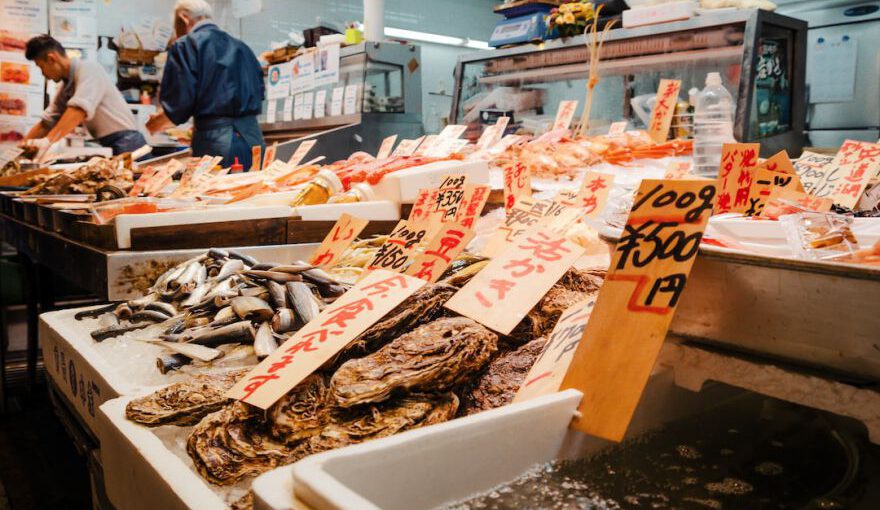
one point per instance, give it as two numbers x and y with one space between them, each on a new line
82 374
428 467
403 186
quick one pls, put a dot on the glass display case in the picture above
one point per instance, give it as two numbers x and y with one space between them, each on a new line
760 55
378 93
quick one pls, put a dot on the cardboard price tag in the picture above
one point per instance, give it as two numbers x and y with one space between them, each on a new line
492 134
256 157
338 240
648 272
664 107
441 250
515 280
855 165
433 207
617 128
785 201
812 169
564 114
270 155
475 197
505 142
385 148
779 162
738 161
328 333
427 142
517 183
765 182
525 214
407 147
400 247
594 193
547 373
301 152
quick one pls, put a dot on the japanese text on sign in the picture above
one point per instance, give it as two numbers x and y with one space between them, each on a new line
492 134
564 114
549 369
441 250
270 155
811 168
515 280
594 193
525 214
649 270
738 161
765 182
319 340
475 197
856 164
301 152
517 183
256 157
784 201
385 148
395 253
338 240
779 162
407 147
664 107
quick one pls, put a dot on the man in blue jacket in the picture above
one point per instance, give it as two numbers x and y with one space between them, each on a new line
216 80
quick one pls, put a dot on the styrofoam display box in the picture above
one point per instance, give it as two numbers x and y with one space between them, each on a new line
427 467
85 372
403 186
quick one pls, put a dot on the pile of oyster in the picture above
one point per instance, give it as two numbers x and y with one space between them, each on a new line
218 303
91 177
420 364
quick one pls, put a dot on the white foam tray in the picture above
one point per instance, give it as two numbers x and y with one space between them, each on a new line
427 467
379 210
403 186
126 222
85 377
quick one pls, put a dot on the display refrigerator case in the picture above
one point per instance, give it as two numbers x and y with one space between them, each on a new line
761 57
388 81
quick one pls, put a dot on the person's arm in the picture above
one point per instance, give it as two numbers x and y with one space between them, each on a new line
159 122
38 131
72 117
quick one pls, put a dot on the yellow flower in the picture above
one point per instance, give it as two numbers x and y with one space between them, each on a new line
565 8
568 18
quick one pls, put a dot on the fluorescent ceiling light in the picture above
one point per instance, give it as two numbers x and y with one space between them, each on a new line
412 35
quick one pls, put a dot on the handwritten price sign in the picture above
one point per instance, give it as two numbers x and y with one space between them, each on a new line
664 107
738 162
515 280
407 147
338 240
594 193
441 250
517 183
549 369
475 197
779 162
401 245
328 333
765 182
301 152
649 270
857 163
564 114
525 214
812 169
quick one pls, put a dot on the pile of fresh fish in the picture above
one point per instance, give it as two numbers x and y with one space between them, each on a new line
212 302
410 369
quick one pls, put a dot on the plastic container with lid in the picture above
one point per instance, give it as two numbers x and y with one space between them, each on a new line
318 190
361 192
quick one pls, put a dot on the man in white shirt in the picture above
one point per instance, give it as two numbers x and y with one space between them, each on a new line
87 96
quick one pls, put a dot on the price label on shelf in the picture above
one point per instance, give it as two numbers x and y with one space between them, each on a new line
664 108
287 114
738 162
320 104
441 250
648 272
300 153
336 101
564 114
385 148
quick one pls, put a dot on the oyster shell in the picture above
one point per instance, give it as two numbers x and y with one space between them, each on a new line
350 427
302 413
574 286
234 443
183 403
425 305
433 357
502 379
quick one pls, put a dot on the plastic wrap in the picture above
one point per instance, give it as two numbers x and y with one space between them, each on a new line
820 236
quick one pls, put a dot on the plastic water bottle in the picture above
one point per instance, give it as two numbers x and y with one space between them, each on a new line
713 126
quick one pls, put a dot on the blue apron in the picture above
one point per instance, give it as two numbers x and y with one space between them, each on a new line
123 141
229 137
